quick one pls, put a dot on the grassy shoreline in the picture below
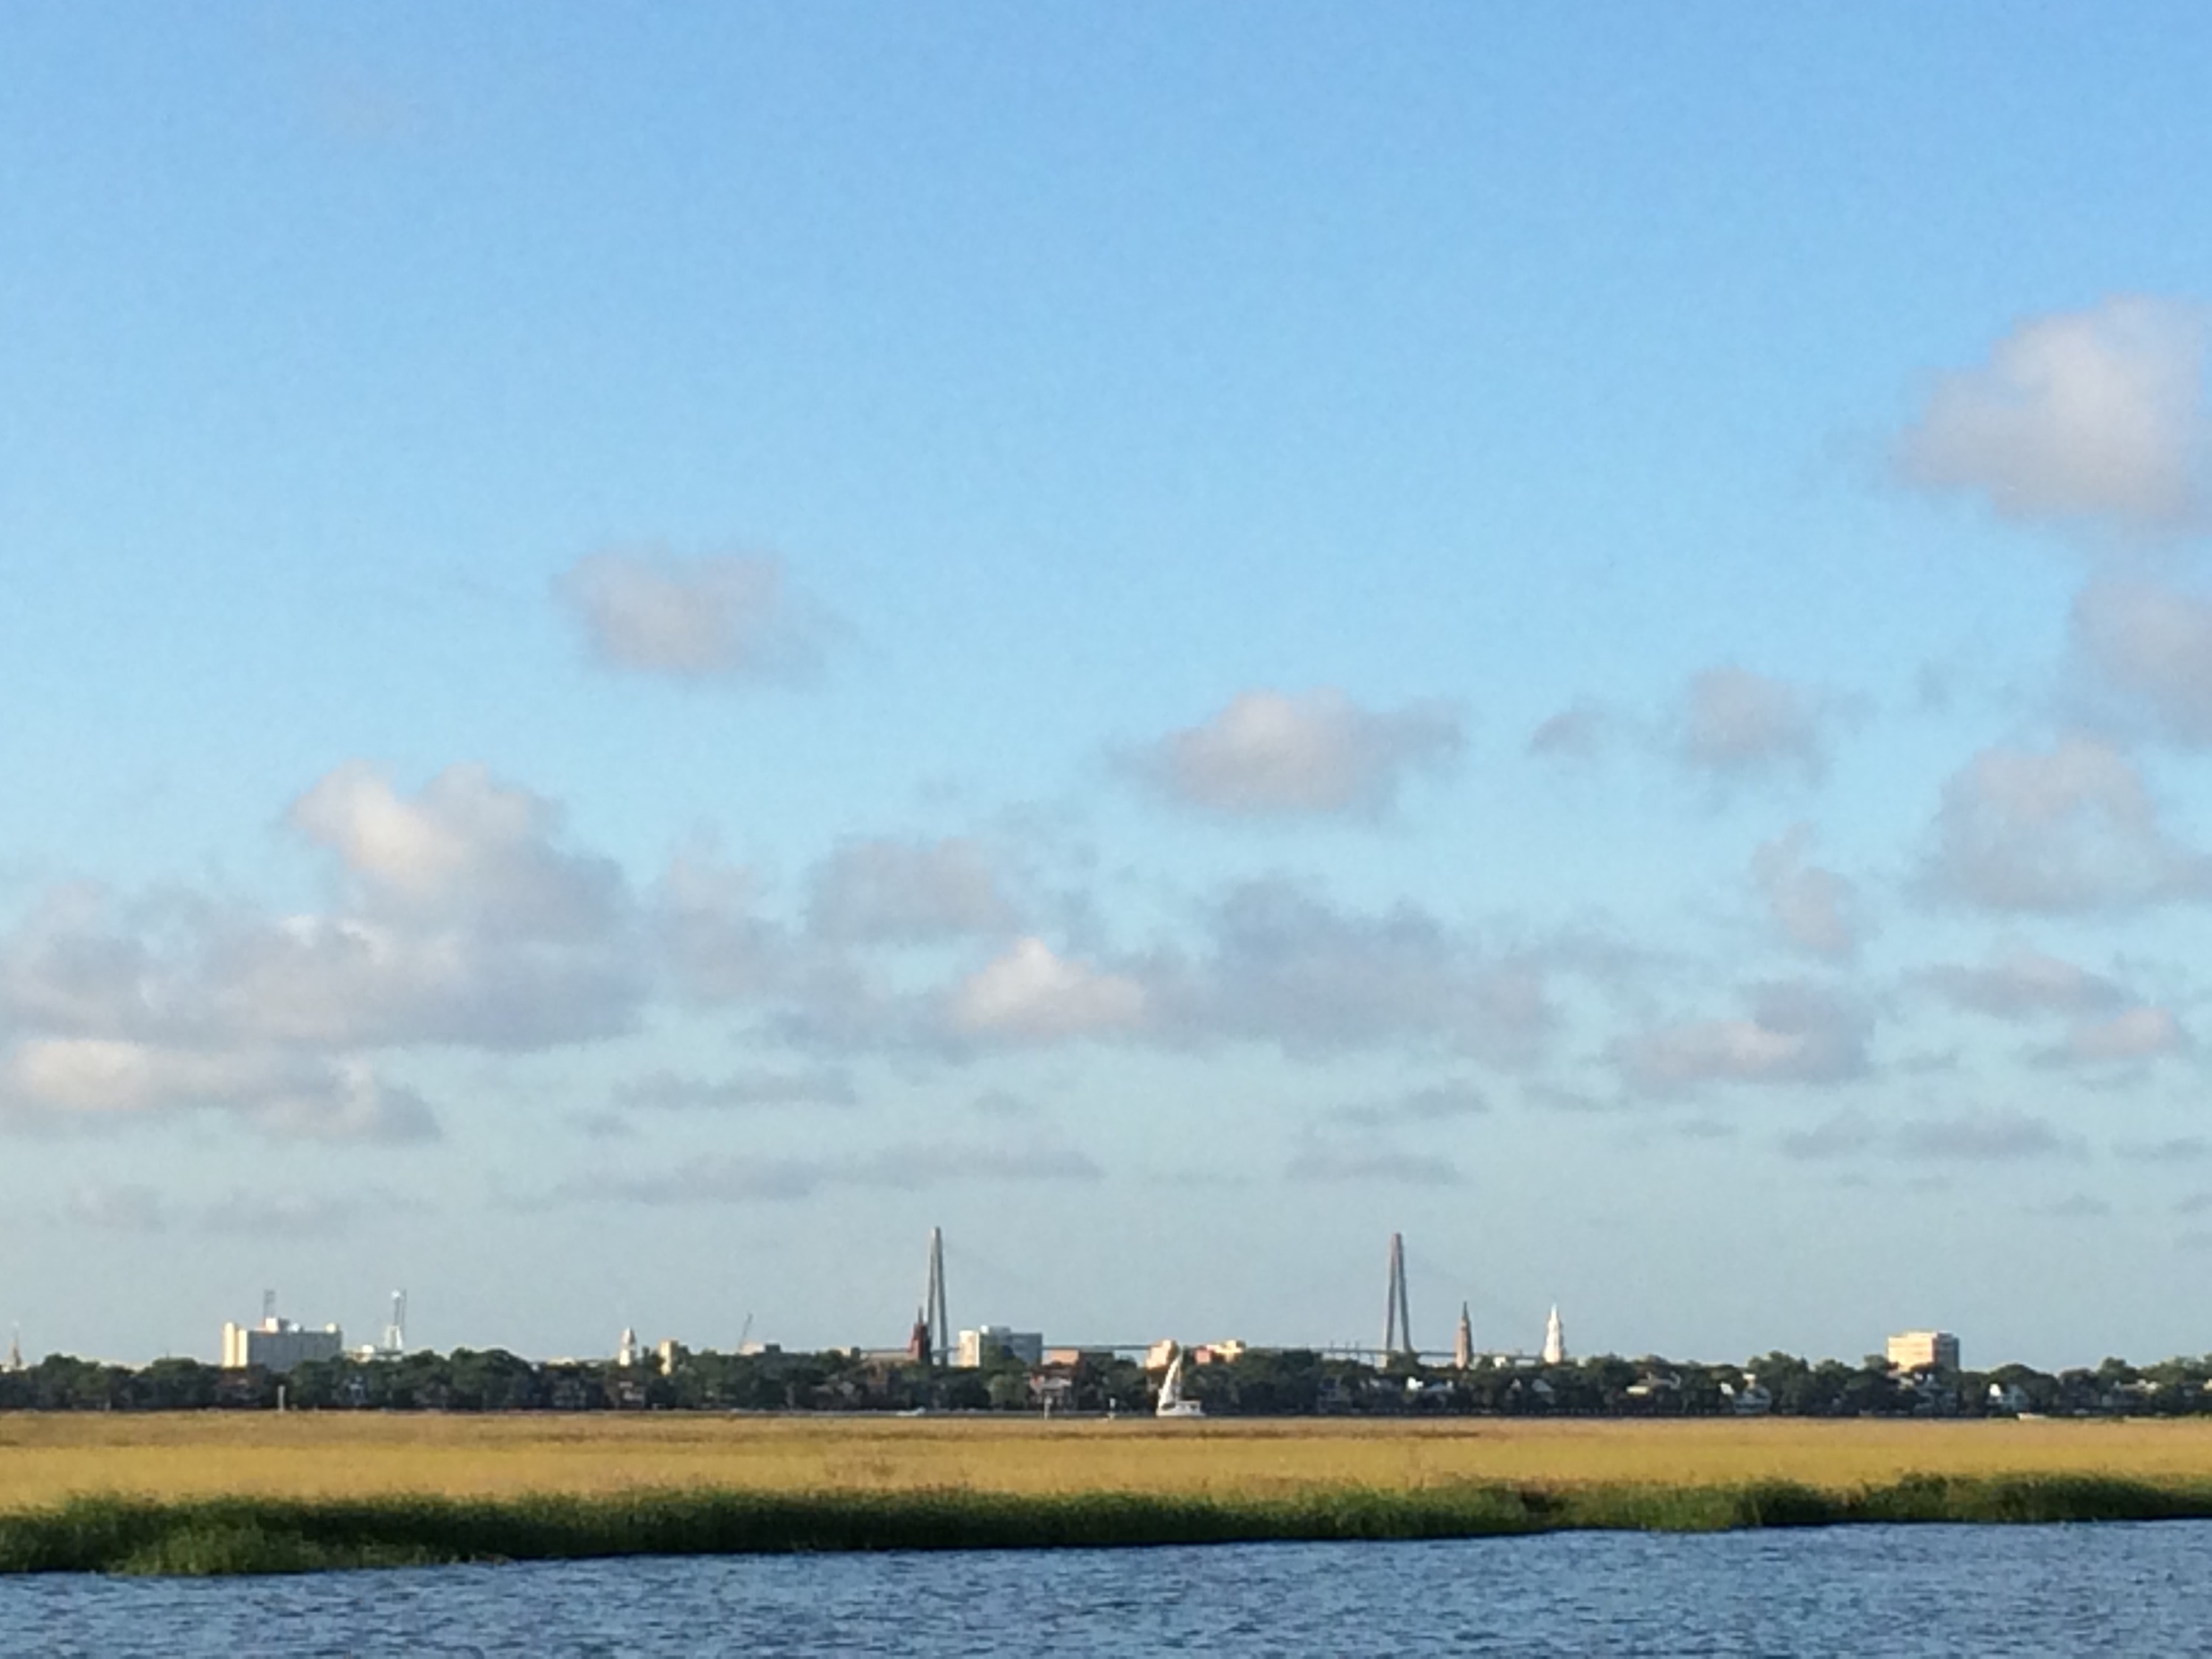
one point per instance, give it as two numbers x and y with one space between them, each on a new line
226 1536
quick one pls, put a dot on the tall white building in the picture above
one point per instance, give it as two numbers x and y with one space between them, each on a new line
1920 1350
277 1345
1555 1339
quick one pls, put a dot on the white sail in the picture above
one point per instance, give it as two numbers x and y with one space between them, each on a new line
1172 1403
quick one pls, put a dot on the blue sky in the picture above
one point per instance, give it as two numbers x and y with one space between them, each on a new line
645 654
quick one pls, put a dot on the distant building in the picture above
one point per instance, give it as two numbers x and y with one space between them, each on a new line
1920 1350
1747 1396
979 1347
1555 1339
277 1345
1071 1358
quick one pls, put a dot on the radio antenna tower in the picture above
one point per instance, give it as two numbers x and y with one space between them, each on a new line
1397 1323
395 1334
937 1350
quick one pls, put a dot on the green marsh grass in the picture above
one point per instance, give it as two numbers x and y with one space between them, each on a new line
222 1535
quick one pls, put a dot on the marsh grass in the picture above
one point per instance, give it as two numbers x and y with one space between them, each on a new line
226 1536
182 1457
221 1493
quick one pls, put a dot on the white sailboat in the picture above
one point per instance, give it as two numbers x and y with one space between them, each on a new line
1173 1402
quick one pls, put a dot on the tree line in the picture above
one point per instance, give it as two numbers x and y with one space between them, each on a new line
1258 1382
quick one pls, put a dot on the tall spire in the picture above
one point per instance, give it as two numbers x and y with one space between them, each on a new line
1463 1343
934 1320
1555 1339
1397 1323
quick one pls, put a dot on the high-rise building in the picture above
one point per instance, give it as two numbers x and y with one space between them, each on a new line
980 1347
277 1345
1921 1350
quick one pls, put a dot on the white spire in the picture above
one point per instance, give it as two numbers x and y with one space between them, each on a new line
1555 1339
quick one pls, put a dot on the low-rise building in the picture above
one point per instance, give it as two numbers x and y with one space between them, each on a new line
1071 1358
2009 1399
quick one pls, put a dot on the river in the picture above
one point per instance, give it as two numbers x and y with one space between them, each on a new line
1873 1589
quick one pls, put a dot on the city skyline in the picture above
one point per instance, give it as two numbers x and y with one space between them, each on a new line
645 656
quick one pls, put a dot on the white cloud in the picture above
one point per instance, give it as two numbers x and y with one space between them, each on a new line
1029 993
457 917
259 1211
2019 983
125 1208
1812 907
1282 965
2154 646
1737 722
1577 732
792 1179
907 891
1968 1137
2095 415
714 616
1270 753
1796 1033
1842 1135
286 1096
2175 1149
2069 829
667 1091
1981 1137
2075 1206
710 934
465 848
2132 1034
1439 1103
1378 1165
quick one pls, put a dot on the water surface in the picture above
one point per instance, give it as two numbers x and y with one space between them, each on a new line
1907 1590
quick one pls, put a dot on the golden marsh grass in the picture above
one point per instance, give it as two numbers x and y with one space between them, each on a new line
46 1458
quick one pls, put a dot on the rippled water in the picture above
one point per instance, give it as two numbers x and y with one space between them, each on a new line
1862 1589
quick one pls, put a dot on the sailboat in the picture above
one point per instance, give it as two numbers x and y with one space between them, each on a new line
1173 1402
